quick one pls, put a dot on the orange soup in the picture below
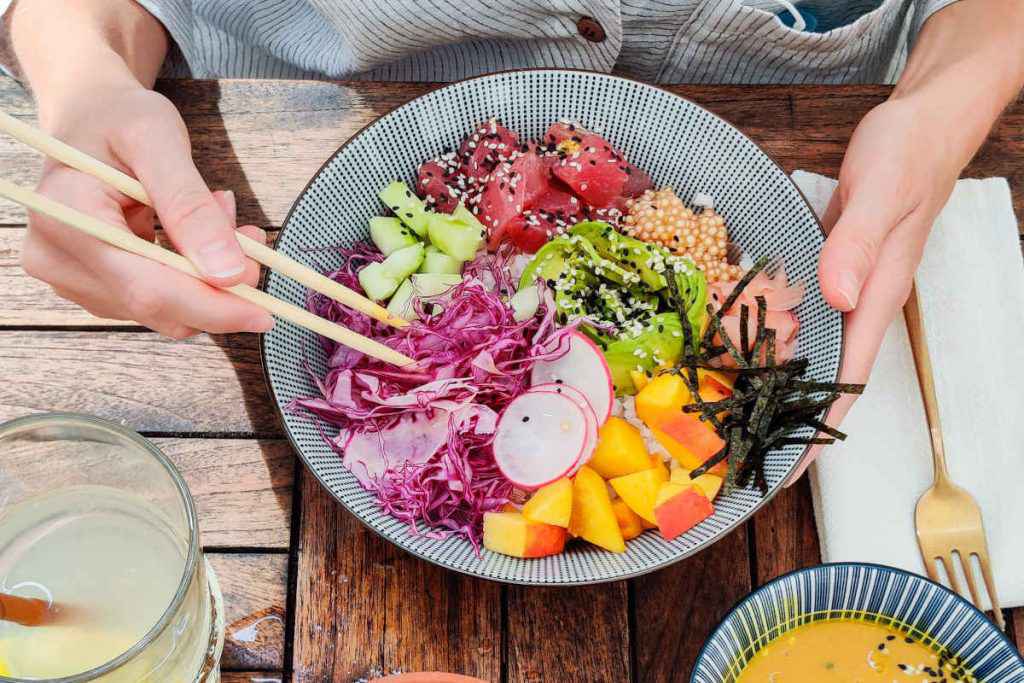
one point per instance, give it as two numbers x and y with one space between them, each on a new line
851 651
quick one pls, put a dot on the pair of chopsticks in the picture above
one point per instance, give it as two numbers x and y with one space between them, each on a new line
260 253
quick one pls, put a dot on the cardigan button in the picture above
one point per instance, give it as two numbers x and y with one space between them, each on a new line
591 29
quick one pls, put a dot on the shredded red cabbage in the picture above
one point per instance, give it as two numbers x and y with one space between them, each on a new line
472 359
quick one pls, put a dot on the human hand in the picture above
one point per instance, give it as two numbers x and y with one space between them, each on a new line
896 177
139 132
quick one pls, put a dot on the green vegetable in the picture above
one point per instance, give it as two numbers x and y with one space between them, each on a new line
419 285
646 260
454 237
390 235
380 280
619 284
406 205
660 344
436 261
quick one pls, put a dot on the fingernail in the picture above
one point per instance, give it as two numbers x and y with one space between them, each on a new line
848 286
217 259
262 325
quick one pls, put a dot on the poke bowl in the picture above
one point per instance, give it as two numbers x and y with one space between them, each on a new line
573 340
885 613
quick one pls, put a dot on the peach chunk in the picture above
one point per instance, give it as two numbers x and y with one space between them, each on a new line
710 484
680 507
509 533
630 523
551 504
640 490
592 516
620 449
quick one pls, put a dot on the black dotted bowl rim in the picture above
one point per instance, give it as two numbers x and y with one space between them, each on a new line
279 410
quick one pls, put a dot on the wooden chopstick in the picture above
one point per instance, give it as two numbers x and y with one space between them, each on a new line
128 241
261 253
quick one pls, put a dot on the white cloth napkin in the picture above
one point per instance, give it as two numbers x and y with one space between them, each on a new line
971 286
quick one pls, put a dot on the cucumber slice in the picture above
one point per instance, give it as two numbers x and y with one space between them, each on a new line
377 282
455 238
400 305
419 285
525 303
390 235
407 206
461 213
436 261
380 280
404 262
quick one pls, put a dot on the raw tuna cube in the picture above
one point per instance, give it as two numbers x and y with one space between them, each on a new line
432 185
485 147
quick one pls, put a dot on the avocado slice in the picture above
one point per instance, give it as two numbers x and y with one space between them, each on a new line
632 255
659 344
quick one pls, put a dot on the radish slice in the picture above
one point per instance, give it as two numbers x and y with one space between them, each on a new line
588 412
584 368
540 438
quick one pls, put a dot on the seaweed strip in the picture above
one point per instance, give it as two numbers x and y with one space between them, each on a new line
810 385
762 317
716 323
744 332
822 427
759 265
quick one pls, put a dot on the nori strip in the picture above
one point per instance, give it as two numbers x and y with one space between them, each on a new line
716 323
744 281
744 332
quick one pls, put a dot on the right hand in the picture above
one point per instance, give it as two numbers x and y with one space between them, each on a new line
139 132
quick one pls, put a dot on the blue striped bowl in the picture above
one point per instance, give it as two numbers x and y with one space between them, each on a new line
890 596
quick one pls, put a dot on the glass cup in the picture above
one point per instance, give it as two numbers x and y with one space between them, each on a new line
98 525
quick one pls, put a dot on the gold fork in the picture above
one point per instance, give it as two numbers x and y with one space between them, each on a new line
948 518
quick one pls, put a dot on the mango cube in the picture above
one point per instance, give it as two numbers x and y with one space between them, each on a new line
640 379
640 490
658 464
620 449
663 396
509 533
551 504
630 523
710 484
680 507
592 516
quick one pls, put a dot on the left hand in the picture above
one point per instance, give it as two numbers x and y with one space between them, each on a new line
896 177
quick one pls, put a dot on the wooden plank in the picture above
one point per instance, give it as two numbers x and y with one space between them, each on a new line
785 534
242 489
206 384
364 608
1017 621
255 589
252 677
678 607
568 634
265 139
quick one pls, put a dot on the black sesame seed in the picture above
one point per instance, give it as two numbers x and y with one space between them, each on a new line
881 647
408 214
526 418
593 163
908 639
890 637
395 208
558 381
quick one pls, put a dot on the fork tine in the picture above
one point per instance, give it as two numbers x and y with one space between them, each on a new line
968 567
930 568
990 586
954 580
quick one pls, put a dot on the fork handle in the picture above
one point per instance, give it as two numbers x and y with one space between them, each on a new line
923 365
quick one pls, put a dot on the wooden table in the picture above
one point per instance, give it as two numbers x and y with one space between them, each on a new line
330 601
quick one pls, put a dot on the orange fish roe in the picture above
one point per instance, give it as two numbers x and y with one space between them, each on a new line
661 217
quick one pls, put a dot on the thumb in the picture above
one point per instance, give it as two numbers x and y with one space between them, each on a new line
197 224
865 218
